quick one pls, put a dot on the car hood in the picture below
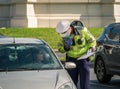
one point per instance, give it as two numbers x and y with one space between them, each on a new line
46 79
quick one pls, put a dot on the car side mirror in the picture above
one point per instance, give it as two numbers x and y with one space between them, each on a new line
69 65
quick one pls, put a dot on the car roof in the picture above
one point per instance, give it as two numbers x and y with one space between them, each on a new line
11 40
112 26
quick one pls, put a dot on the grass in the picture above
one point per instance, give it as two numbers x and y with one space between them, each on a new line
96 31
47 34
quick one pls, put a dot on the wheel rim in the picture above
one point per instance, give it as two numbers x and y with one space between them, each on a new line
100 69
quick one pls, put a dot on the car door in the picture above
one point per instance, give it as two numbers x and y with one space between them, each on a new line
112 49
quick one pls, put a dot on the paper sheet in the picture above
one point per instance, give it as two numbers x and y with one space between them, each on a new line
85 56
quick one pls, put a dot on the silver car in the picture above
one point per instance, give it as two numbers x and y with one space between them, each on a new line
29 63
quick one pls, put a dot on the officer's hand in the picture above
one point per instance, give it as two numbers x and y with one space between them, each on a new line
66 47
91 49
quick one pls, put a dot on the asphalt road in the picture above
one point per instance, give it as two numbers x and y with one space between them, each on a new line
94 84
113 84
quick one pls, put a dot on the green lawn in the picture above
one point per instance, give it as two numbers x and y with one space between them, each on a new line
47 34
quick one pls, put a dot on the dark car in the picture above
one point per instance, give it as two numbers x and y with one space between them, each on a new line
107 57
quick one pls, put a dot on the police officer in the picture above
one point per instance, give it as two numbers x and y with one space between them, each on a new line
76 41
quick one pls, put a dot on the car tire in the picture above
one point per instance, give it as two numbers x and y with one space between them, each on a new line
101 75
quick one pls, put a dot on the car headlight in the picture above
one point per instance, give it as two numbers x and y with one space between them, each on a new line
68 85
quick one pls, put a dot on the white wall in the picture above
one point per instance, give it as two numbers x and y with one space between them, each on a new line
46 13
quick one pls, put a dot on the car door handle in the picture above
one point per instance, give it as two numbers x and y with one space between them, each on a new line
117 46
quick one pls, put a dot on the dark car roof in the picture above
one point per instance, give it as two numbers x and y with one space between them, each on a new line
112 26
11 40
107 29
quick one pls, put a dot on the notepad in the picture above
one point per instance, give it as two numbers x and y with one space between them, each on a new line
85 56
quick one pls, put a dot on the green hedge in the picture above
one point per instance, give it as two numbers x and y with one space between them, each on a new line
47 34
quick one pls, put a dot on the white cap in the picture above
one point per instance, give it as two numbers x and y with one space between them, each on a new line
62 26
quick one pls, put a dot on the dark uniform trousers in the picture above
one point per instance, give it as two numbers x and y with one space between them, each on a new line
81 72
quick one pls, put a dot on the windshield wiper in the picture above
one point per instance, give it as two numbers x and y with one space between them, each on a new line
2 70
23 68
17 69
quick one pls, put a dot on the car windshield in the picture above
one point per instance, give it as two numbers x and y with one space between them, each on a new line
27 57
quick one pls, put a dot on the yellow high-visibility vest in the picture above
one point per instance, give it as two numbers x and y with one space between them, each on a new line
77 49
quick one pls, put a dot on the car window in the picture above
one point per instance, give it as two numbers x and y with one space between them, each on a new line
114 34
27 56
